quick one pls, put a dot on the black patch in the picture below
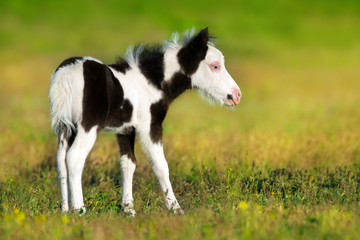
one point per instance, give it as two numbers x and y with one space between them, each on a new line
127 144
158 112
121 65
177 85
151 63
95 99
120 109
68 138
103 100
68 61
194 52
72 138
119 114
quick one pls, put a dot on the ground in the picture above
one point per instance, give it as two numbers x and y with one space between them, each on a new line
284 164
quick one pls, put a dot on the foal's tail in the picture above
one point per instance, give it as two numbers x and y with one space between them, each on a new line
62 95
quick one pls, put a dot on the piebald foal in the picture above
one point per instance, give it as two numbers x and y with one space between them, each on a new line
130 97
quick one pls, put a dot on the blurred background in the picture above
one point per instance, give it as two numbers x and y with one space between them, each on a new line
296 62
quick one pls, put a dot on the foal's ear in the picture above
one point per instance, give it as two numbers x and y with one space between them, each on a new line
204 35
200 40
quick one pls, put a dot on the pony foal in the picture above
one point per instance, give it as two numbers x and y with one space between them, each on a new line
130 97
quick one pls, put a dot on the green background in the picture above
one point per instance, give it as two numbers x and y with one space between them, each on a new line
284 164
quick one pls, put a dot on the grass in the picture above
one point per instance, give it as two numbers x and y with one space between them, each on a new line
284 164
235 203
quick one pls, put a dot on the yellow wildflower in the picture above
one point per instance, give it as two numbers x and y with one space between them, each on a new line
65 219
16 210
20 217
243 205
41 218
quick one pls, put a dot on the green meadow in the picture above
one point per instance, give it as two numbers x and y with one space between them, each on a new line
283 164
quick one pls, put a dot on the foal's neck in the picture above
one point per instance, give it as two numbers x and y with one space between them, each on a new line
175 81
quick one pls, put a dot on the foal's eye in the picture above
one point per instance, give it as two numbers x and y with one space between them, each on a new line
215 66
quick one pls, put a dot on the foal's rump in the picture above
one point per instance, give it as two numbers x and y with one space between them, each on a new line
84 91
65 94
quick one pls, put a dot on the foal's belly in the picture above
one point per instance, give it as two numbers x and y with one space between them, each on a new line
125 129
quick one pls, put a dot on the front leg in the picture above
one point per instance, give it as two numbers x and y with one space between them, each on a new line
155 153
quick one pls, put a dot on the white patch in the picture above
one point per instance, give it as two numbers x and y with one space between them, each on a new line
171 63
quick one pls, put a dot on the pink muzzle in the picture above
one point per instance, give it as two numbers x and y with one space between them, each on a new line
235 96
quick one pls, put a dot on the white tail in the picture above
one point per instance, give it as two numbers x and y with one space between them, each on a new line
64 107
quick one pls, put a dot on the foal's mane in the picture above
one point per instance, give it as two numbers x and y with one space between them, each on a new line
134 54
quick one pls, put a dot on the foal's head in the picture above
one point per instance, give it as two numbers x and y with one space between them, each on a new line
209 75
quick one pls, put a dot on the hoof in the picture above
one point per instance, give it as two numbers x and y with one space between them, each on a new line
178 211
64 207
80 211
64 210
130 212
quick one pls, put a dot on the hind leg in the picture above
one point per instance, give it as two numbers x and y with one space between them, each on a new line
62 173
127 165
75 160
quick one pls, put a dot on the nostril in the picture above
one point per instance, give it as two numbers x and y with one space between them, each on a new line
229 97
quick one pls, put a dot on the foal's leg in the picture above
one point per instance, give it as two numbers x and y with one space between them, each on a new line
155 154
75 160
127 165
62 172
